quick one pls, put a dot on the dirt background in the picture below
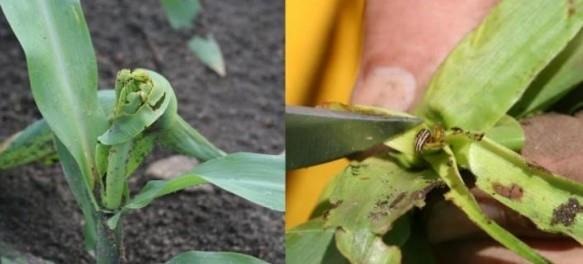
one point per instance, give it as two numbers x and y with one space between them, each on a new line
242 112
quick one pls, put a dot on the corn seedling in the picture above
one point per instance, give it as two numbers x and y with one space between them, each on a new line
498 74
181 15
101 138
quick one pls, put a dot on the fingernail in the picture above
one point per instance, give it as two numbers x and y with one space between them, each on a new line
389 87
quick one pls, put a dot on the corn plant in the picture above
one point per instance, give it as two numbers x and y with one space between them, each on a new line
181 15
101 138
518 62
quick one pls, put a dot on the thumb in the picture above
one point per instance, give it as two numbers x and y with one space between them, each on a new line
404 43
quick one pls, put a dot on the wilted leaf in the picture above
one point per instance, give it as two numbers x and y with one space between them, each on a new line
208 51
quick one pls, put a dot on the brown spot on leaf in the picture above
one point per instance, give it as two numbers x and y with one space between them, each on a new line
384 205
457 130
565 213
571 8
397 200
512 192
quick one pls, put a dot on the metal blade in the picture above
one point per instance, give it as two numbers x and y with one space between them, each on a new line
316 135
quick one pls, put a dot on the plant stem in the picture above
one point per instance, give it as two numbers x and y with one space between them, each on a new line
109 248
115 181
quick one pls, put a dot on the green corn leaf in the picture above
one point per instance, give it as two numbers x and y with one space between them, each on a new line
63 72
312 243
492 67
82 194
552 202
363 218
35 142
391 191
141 148
142 98
116 176
259 178
208 51
208 257
445 165
181 13
365 247
155 189
32 144
508 133
555 81
181 137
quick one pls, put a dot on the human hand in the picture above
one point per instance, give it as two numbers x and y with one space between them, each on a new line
404 43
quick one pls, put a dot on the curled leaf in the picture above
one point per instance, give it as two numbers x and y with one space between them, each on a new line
143 97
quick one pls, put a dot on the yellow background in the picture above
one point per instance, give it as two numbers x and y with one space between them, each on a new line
322 49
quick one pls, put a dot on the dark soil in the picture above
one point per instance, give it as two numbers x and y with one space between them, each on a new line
242 112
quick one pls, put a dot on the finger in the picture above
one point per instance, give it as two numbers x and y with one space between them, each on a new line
446 222
405 41
553 141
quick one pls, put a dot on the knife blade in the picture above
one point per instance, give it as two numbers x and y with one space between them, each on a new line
318 135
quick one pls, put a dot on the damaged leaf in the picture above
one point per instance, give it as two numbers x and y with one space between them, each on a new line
550 201
445 165
391 191
142 98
